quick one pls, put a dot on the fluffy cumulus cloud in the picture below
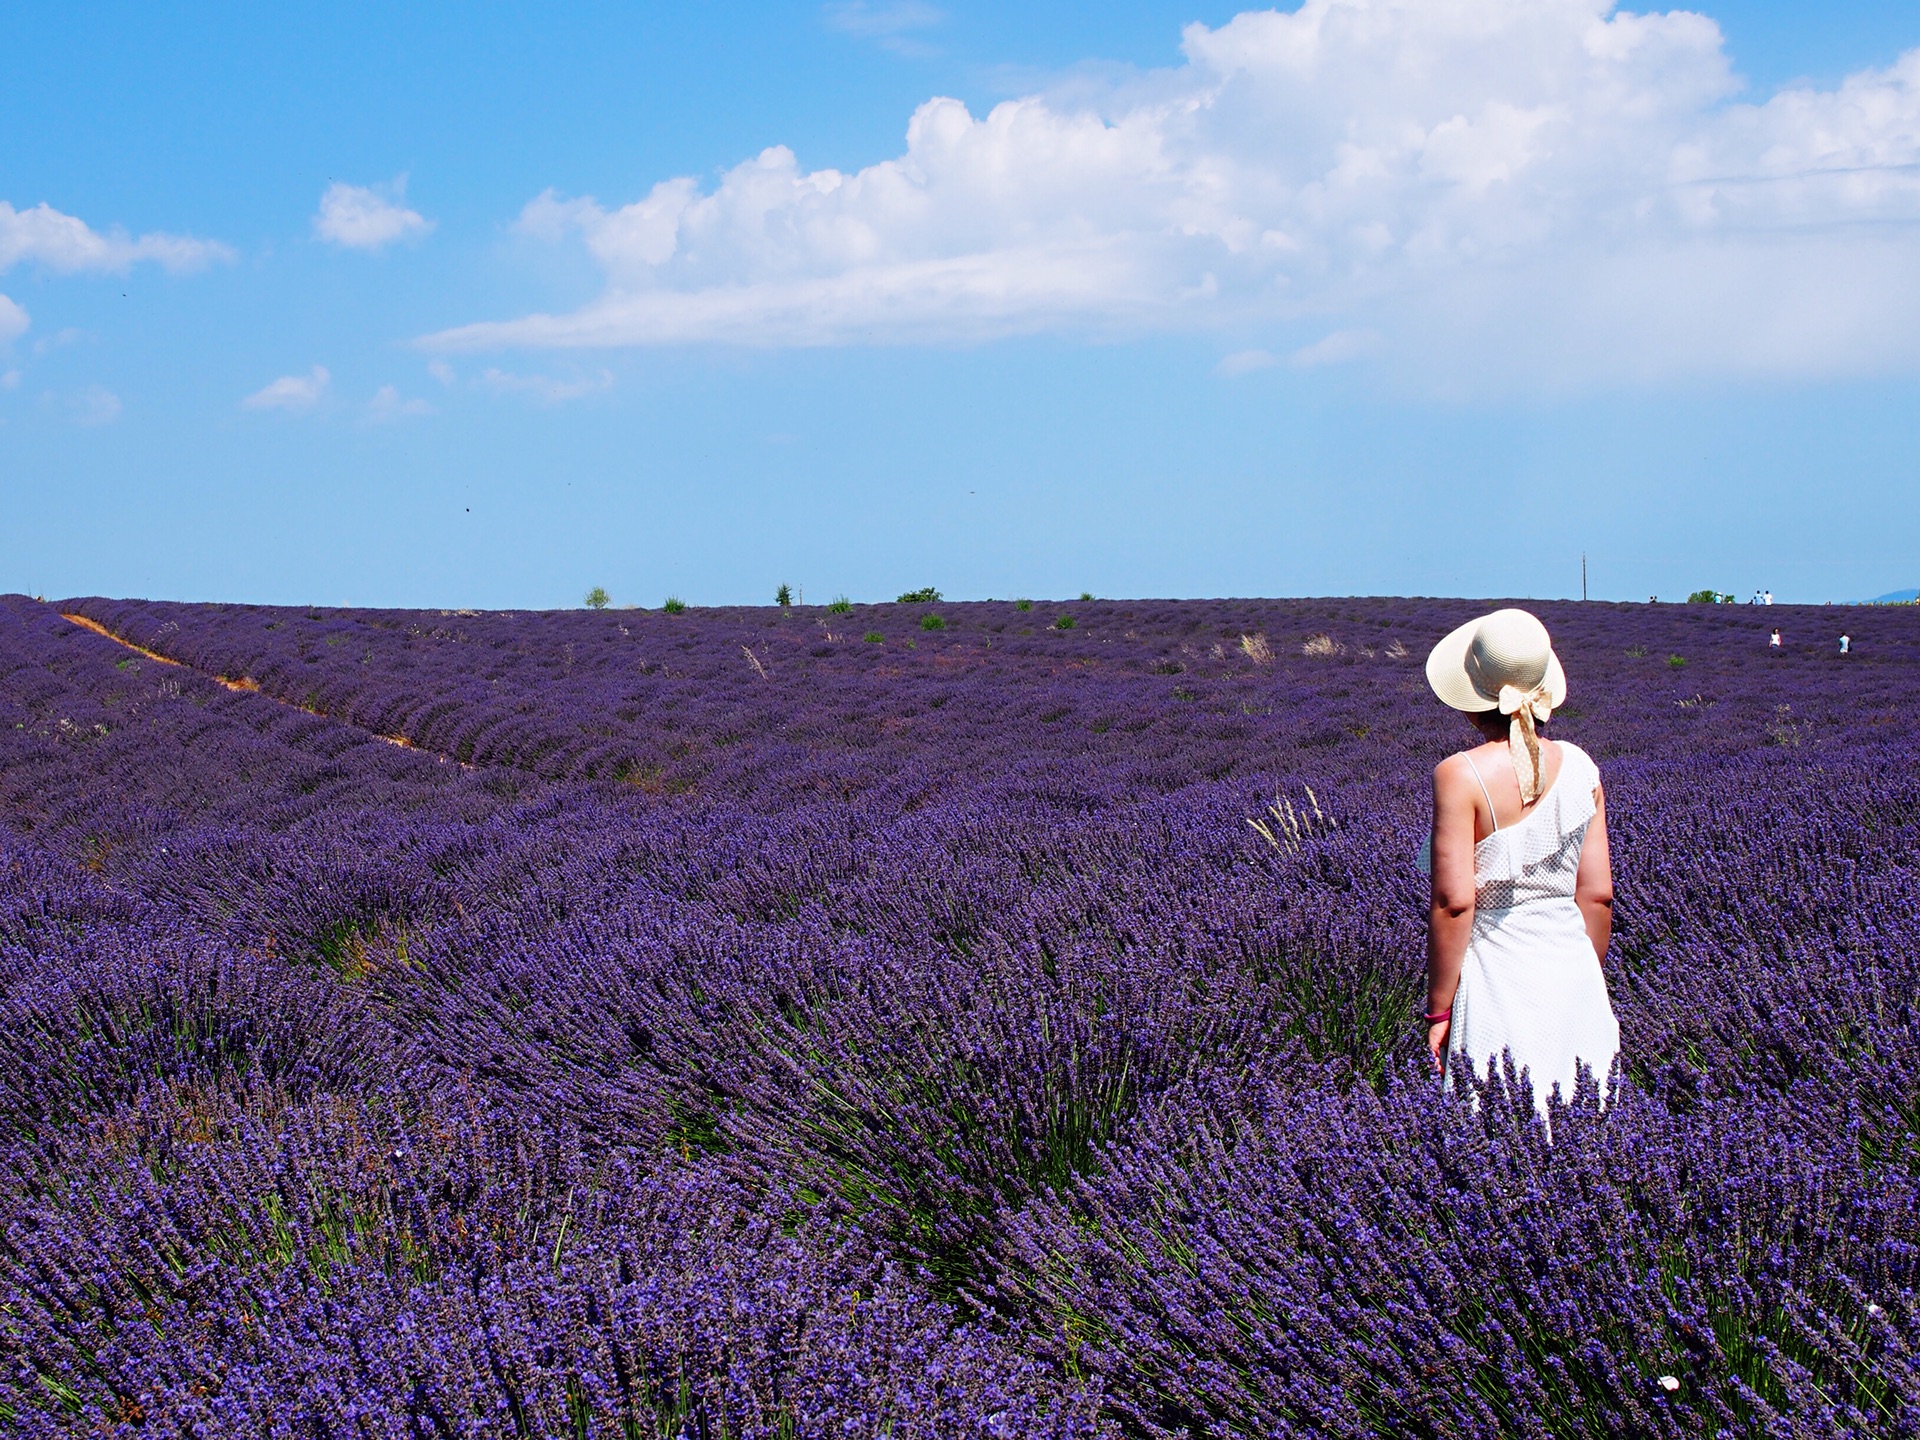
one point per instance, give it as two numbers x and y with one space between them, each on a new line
292 392
1550 189
68 244
355 217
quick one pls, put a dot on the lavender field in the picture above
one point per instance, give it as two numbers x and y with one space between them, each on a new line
760 1023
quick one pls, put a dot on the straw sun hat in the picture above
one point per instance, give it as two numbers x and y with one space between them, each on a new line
1505 662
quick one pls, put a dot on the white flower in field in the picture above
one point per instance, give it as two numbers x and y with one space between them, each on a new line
1873 1309
1669 1383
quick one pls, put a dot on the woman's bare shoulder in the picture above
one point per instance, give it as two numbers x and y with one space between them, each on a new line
1573 752
1572 755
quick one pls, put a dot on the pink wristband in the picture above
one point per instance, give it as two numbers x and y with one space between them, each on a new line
1446 1014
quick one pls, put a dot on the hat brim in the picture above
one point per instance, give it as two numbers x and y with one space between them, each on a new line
1447 673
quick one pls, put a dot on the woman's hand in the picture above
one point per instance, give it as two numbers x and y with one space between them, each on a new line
1437 1042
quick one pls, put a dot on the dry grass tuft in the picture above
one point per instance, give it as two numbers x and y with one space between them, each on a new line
1322 647
1257 648
1287 828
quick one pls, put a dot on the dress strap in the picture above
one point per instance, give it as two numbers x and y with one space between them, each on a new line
1483 790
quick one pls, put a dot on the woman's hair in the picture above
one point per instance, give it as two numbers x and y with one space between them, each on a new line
1491 723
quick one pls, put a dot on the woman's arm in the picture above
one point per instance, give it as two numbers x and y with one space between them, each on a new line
1593 886
1450 916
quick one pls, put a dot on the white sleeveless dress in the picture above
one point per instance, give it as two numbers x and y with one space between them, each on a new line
1531 984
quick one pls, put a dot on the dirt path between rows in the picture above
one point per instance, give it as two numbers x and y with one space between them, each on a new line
246 685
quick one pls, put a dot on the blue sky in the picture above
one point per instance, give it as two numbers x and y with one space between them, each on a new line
485 305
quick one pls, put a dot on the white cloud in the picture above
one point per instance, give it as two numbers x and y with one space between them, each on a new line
13 321
292 392
66 243
857 17
387 404
95 405
544 387
1244 362
890 25
441 371
358 218
1335 349
1546 190
60 339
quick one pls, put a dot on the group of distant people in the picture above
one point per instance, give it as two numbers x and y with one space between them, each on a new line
1775 644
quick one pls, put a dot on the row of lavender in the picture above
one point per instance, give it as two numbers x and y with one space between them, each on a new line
768 706
767 1033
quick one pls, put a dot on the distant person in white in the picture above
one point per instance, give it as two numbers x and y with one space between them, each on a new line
1846 644
1773 641
1768 600
1522 904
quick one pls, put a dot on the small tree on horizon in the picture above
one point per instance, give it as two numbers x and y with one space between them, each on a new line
597 598
783 597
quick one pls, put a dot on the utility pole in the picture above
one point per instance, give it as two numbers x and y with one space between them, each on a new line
1583 574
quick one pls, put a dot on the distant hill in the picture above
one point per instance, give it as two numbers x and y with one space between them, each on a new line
1894 596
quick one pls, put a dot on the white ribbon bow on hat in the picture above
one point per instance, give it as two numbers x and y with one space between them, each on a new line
1523 742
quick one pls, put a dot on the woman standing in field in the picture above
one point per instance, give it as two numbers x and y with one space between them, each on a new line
1522 886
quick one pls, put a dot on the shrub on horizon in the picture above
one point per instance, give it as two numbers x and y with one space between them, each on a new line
1023 604
674 605
1086 595
926 596
783 597
839 605
597 598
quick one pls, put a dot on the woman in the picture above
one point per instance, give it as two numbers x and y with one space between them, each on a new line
1522 885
